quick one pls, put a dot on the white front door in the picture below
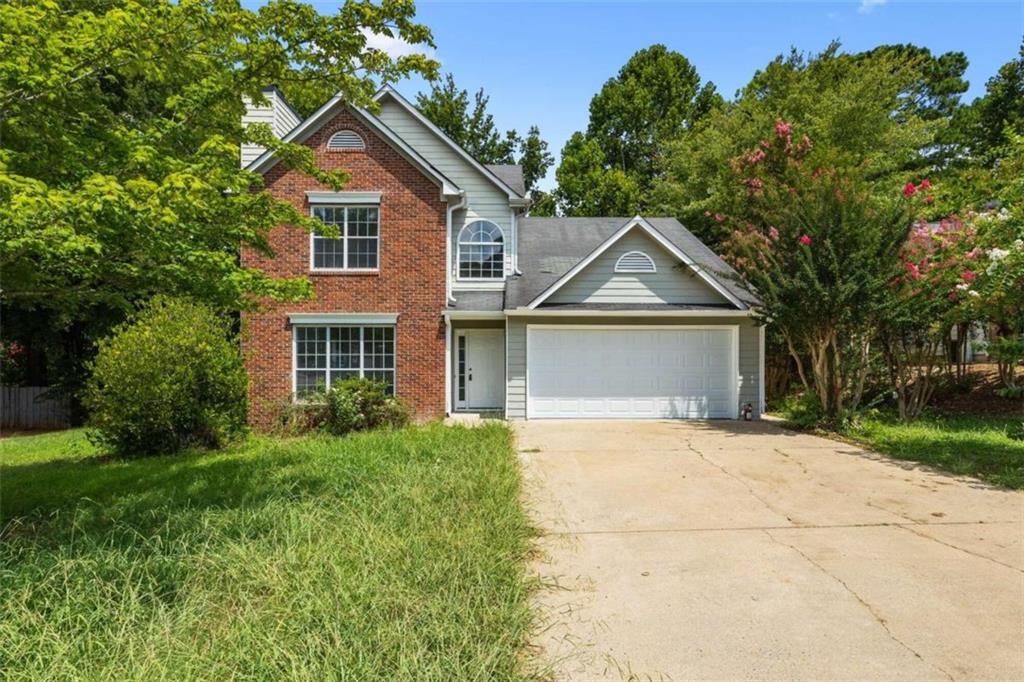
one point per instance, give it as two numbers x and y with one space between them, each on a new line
484 371
631 372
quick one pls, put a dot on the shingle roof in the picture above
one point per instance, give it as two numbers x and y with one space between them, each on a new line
550 247
511 175
478 300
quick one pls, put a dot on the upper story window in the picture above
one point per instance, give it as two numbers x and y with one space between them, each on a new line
358 243
346 141
481 251
635 261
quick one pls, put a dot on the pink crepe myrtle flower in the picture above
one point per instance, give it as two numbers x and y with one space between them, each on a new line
755 157
773 234
765 144
925 184
929 199
755 184
719 218
805 240
913 270
974 254
783 129
969 275
909 189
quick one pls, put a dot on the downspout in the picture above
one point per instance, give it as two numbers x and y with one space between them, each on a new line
448 247
448 301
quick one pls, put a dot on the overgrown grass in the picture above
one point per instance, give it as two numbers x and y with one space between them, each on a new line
971 445
378 556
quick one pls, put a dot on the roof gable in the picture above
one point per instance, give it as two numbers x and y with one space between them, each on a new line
637 269
499 179
326 113
550 248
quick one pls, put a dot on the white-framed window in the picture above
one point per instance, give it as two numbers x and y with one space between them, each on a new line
481 249
635 261
326 354
357 246
346 141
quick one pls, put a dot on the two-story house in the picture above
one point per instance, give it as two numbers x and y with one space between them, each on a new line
442 285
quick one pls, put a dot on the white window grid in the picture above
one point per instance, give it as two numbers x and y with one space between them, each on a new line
326 354
357 248
481 248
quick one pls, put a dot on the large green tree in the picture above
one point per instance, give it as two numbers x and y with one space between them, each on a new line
473 127
867 110
120 128
655 99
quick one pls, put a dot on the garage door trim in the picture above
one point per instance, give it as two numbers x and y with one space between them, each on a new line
734 354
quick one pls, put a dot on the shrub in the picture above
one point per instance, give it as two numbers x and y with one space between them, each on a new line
357 404
168 378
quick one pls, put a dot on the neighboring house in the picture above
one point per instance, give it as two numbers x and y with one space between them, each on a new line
443 287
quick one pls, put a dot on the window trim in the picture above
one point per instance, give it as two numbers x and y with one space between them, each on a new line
344 237
619 267
296 398
458 252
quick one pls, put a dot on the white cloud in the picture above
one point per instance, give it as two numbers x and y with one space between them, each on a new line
867 5
394 47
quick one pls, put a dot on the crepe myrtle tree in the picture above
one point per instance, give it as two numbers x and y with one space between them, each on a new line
922 307
819 242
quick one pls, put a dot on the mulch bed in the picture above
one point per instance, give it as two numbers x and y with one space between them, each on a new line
980 398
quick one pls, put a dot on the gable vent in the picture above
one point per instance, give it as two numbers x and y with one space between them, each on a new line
345 141
635 261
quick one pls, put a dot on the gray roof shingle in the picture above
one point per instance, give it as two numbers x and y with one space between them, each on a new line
478 300
511 175
550 247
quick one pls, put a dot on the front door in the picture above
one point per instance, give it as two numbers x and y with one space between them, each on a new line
483 374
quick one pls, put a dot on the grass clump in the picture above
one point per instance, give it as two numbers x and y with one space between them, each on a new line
981 445
383 555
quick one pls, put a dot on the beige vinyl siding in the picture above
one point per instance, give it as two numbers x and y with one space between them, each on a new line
515 372
673 282
484 200
276 114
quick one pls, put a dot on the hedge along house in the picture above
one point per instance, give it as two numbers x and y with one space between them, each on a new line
441 285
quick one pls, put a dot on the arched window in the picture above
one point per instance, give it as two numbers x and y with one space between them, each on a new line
635 261
345 141
481 251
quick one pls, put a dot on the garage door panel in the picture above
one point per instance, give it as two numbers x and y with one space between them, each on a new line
630 373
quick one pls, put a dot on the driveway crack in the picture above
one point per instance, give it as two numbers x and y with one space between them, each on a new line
957 547
741 481
870 609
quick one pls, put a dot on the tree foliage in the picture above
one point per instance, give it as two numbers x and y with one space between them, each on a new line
655 99
818 241
121 126
473 128
120 123
863 110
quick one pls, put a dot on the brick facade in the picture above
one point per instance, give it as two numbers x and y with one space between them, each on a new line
410 280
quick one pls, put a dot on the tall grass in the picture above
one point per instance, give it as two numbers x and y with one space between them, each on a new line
379 556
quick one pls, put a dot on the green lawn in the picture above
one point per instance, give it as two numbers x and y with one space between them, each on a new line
973 445
379 556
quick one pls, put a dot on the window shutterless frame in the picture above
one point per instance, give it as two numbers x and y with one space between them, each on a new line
345 238
474 241
352 342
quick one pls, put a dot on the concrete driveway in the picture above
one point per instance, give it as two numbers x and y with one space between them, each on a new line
730 550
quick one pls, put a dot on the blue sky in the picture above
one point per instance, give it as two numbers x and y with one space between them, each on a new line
541 62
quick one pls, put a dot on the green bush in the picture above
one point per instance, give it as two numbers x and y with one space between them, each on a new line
358 404
170 377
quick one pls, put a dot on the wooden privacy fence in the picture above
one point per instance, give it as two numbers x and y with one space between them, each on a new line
22 407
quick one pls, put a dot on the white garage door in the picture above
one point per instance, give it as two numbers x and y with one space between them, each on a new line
631 373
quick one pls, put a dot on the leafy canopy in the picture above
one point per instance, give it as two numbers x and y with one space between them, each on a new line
656 98
865 111
120 121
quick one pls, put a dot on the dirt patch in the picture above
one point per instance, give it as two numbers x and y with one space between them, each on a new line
977 395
